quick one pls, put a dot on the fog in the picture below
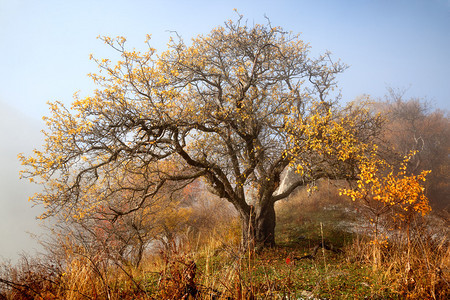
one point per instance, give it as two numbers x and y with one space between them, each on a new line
19 134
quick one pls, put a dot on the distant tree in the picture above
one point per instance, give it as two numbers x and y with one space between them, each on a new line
235 107
413 125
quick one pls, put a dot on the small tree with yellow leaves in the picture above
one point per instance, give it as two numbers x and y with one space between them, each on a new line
382 190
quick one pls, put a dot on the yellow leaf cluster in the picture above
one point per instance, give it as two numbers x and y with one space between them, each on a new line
383 188
325 137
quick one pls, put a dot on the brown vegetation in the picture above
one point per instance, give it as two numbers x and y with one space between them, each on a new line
208 264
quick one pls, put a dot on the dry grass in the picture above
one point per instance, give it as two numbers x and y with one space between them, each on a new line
206 264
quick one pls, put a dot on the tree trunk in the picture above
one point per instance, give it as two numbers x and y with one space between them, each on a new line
258 227
265 226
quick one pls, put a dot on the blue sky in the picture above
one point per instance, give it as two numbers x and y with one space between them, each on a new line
45 47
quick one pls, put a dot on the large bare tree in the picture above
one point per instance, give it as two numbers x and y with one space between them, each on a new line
235 107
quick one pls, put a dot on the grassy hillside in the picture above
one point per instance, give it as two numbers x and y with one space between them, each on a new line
324 252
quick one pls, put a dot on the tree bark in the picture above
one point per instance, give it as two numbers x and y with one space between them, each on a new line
258 227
